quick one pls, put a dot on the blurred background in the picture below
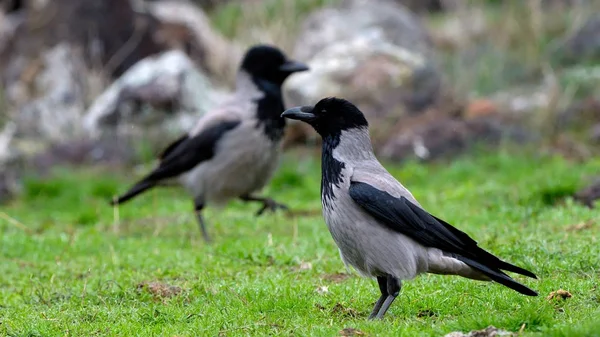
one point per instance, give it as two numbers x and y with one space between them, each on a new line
111 82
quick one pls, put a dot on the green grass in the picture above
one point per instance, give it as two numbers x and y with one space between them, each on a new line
70 267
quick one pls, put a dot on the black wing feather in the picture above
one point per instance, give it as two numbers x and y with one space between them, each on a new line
401 215
181 156
190 151
172 146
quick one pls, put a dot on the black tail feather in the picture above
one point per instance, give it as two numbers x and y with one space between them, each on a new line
495 262
512 268
500 277
134 191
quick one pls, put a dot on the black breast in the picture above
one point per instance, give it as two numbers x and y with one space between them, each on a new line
269 110
331 170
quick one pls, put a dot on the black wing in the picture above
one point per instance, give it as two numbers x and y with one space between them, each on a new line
172 147
187 152
179 157
401 215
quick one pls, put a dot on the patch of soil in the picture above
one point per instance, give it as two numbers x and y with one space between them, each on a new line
340 309
580 226
336 277
159 290
426 313
351 332
559 294
303 266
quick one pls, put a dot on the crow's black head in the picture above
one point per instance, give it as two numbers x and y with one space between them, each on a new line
267 63
330 116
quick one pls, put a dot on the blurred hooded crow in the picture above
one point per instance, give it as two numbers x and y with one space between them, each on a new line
377 224
232 151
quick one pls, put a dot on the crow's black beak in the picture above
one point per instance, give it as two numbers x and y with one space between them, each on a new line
293 67
301 113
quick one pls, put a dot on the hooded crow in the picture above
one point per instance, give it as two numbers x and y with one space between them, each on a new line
379 227
232 151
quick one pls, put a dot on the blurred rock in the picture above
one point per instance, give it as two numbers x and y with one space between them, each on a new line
115 34
481 108
56 114
9 167
58 58
11 6
520 116
185 26
568 147
595 133
108 150
206 5
211 4
111 34
531 107
9 23
522 102
561 4
583 44
382 61
166 93
434 137
460 29
422 6
393 23
53 55
583 112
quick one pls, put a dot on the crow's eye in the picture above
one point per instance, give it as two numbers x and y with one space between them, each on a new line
323 111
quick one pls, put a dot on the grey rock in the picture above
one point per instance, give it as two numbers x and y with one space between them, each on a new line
583 44
393 22
217 56
376 55
595 133
56 114
168 82
423 6
581 114
9 165
446 137
9 23
460 30
108 150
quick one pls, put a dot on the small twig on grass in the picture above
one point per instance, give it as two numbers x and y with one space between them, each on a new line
84 288
239 297
15 223
295 232
244 327
522 328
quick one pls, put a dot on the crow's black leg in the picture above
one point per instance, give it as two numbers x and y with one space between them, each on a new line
198 206
268 203
393 289
382 281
